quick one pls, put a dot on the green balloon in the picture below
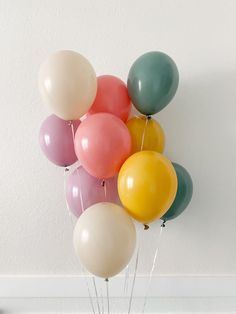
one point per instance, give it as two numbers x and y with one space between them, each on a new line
183 195
152 82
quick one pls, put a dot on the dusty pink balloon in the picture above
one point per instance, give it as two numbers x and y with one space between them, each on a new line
56 140
102 144
83 190
112 97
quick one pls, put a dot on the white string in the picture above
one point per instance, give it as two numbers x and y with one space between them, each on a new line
144 131
125 288
153 267
93 279
70 215
96 294
89 292
104 188
108 300
81 199
133 283
72 129
102 304
66 171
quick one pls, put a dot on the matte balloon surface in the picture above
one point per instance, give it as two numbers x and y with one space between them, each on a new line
68 84
146 134
147 185
152 82
56 140
83 190
184 193
104 239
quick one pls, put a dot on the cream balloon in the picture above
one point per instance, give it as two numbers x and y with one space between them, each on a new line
68 84
104 239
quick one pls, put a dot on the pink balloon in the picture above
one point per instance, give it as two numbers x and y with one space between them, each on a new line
112 97
56 140
102 144
83 190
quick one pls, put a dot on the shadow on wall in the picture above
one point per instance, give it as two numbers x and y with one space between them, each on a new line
200 129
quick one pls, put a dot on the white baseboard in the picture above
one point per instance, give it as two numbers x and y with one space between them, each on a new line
69 294
75 286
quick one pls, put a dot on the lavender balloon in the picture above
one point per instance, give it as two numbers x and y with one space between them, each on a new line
56 140
83 190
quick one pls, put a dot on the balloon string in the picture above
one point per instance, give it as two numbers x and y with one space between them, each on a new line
67 169
81 194
89 292
67 206
102 304
133 283
105 188
144 131
81 199
108 300
72 129
153 267
70 215
96 294
125 290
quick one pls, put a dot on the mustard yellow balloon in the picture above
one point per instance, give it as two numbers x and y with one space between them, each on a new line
146 134
147 185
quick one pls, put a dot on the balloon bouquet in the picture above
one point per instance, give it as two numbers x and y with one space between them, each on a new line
122 173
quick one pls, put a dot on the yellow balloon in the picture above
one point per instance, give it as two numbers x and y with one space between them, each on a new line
146 134
147 185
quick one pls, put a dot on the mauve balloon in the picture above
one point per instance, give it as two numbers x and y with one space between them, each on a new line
56 140
83 190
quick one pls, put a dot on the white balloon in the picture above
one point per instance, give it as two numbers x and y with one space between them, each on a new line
68 84
104 239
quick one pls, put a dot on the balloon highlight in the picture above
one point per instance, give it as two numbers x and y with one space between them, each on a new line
104 239
147 185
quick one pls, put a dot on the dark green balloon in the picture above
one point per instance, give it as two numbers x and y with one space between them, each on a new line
152 82
184 193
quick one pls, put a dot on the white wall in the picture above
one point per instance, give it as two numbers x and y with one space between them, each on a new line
200 125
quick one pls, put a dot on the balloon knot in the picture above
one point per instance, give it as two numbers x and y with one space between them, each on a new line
149 117
67 168
163 224
106 279
146 227
103 183
70 123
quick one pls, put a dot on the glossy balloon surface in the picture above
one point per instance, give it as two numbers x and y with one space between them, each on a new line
112 97
146 134
68 84
104 239
102 144
147 185
84 190
184 193
56 140
152 82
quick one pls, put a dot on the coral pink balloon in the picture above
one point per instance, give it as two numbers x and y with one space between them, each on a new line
112 97
56 140
83 190
102 144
